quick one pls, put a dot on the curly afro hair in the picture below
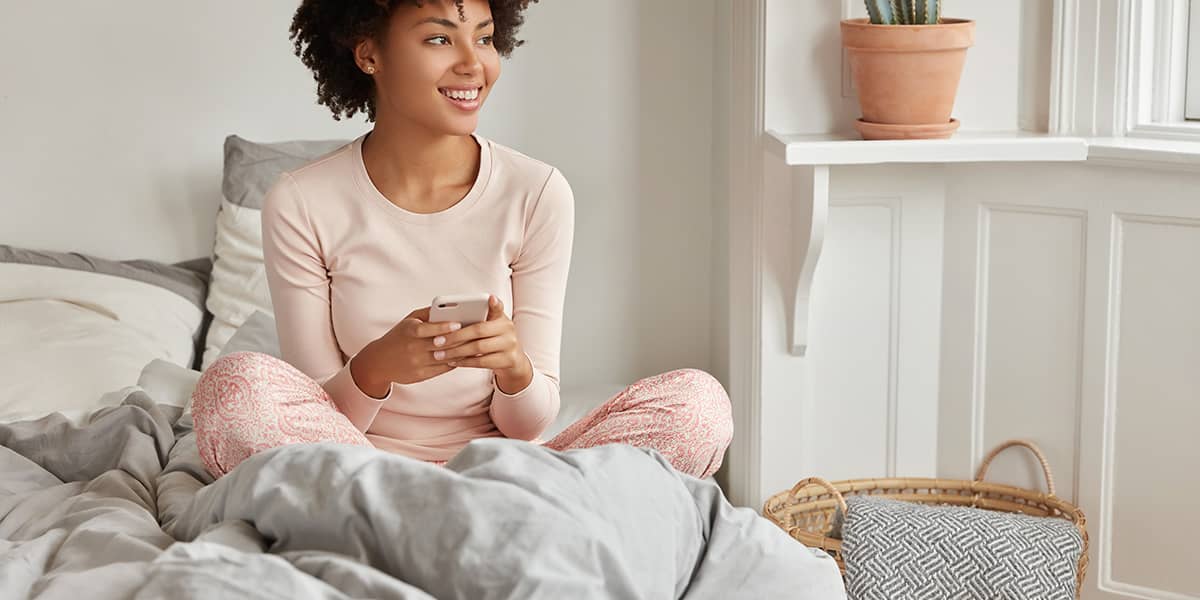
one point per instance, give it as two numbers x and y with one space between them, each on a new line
325 33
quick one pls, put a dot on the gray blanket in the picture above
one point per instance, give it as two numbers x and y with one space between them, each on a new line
119 506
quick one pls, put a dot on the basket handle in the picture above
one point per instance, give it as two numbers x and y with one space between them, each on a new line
803 483
1037 452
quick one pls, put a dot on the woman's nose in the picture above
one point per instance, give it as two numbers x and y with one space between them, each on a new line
468 63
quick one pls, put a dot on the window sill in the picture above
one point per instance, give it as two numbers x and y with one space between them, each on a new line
1145 153
1008 146
1014 146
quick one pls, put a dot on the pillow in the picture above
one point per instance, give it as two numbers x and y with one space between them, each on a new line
895 549
575 402
78 326
168 383
257 334
239 281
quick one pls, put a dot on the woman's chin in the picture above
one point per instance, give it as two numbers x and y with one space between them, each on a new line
462 127
460 123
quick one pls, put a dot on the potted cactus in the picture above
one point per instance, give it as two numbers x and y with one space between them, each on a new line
906 61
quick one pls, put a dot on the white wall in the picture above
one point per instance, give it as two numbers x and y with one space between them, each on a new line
112 117
618 94
1005 83
114 114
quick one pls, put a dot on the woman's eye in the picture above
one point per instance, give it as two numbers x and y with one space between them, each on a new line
485 40
440 40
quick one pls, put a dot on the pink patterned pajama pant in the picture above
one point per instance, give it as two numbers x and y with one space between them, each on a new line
248 402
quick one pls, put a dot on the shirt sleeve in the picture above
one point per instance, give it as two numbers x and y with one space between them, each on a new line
299 285
539 287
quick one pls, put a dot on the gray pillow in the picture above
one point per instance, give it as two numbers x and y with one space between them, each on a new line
896 549
257 334
188 279
251 168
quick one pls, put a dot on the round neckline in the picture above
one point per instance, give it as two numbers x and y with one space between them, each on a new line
447 214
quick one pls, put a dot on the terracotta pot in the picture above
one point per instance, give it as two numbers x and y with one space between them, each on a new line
907 75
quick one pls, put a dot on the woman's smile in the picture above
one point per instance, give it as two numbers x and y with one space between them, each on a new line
464 99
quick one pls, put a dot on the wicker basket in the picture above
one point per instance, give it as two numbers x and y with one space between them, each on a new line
807 510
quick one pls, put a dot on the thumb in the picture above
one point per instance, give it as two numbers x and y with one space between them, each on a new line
495 308
421 314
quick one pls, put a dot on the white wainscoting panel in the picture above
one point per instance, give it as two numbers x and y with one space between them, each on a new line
1012 345
1070 318
1028 349
854 330
1151 471
873 357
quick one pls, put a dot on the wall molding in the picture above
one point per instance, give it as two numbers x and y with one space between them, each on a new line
1063 61
1118 68
1106 581
982 309
895 207
747 120
1088 68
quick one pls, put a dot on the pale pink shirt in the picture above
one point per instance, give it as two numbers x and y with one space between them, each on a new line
344 265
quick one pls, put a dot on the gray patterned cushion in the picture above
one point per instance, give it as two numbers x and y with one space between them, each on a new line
897 550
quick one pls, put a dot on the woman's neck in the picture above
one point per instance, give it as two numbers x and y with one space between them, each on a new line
419 170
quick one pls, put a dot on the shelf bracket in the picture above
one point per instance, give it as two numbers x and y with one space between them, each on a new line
810 211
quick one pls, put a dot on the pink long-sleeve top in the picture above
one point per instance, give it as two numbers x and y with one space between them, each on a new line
344 265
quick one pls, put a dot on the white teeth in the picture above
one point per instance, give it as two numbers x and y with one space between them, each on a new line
462 94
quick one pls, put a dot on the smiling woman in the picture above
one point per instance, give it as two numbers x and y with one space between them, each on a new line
418 207
328 33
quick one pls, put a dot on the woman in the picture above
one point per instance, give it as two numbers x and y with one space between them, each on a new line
418 207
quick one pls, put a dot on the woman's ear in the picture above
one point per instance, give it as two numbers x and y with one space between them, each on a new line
365 56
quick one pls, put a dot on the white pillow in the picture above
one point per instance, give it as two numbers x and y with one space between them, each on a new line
239 277
68 337
169 383
239 281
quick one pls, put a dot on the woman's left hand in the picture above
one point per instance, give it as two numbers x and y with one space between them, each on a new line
490 344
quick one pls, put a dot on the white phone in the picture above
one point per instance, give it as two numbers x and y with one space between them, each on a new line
462 308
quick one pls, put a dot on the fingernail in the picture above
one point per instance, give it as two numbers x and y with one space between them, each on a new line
455 326
439 340
439 355
452 364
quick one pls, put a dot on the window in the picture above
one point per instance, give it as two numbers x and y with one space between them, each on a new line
1126 68
1193 60
1161 58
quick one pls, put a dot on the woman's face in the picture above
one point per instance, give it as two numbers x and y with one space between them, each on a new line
433 67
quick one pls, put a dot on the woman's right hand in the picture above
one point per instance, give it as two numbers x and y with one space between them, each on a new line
404 354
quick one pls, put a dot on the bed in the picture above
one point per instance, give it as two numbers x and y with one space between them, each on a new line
103 495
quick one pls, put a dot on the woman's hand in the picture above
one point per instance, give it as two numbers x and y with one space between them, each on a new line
404 354
490 344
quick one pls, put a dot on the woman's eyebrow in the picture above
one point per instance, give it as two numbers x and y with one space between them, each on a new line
448 23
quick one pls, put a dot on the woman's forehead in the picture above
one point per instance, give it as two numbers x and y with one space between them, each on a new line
444 12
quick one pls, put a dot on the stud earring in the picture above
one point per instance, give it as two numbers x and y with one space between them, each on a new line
370 70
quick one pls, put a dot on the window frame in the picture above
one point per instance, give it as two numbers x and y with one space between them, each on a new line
1192 101
1120 69
1158 69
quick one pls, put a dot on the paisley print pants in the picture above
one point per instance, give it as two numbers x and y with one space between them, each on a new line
248 402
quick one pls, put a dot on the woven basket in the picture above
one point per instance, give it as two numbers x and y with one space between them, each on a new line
807 510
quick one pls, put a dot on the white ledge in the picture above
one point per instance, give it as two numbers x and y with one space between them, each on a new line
812 155
1008 146
1145 153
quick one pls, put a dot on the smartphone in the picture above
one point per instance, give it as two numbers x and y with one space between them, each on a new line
462 308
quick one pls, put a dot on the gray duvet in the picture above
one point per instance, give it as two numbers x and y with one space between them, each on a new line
121 507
